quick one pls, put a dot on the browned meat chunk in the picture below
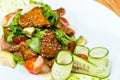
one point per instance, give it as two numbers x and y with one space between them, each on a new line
25 52
60 11
34 18
65 28
4 45
71 46
49 44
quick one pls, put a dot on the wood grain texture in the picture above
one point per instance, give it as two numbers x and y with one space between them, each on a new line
114 5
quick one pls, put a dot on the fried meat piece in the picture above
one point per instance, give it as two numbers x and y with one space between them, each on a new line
4 45
65 28
60 11
49 44
34 18
70 46
25 52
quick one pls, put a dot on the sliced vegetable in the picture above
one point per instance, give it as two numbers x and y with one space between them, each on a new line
7 59
81 65
75 76
34 44
34 65
29 31
81 40
99 56
81 49
83 56
62 66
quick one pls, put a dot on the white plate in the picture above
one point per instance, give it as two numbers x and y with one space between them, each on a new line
97 23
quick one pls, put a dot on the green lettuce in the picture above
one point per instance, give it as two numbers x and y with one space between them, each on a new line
18 59
63 38
34 44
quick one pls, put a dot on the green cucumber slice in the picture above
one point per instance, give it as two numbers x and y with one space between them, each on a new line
99 56
75 76
62 65
81 49
7 59
81 40
83 66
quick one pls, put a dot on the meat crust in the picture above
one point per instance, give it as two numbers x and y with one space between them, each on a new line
34 18
49 44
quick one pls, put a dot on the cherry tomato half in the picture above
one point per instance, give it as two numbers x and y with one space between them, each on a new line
83 56
34 65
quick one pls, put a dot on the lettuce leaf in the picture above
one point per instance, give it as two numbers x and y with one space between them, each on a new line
18 59
63 38
34 44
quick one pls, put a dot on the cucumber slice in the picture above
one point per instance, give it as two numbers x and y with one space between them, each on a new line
81 65
81 49
62 66
75 76
81 40
99 56
7 59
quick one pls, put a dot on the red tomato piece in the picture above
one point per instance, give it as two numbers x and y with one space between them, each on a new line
34 65
83 56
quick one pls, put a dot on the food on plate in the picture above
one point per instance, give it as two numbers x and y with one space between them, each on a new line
62 66
34 64
7 59
34 18
42 40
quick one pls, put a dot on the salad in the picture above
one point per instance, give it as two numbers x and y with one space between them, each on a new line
42 40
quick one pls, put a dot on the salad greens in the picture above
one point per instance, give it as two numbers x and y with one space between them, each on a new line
10 37
34 44
15 28
34 40
18 59
39 32
63 38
